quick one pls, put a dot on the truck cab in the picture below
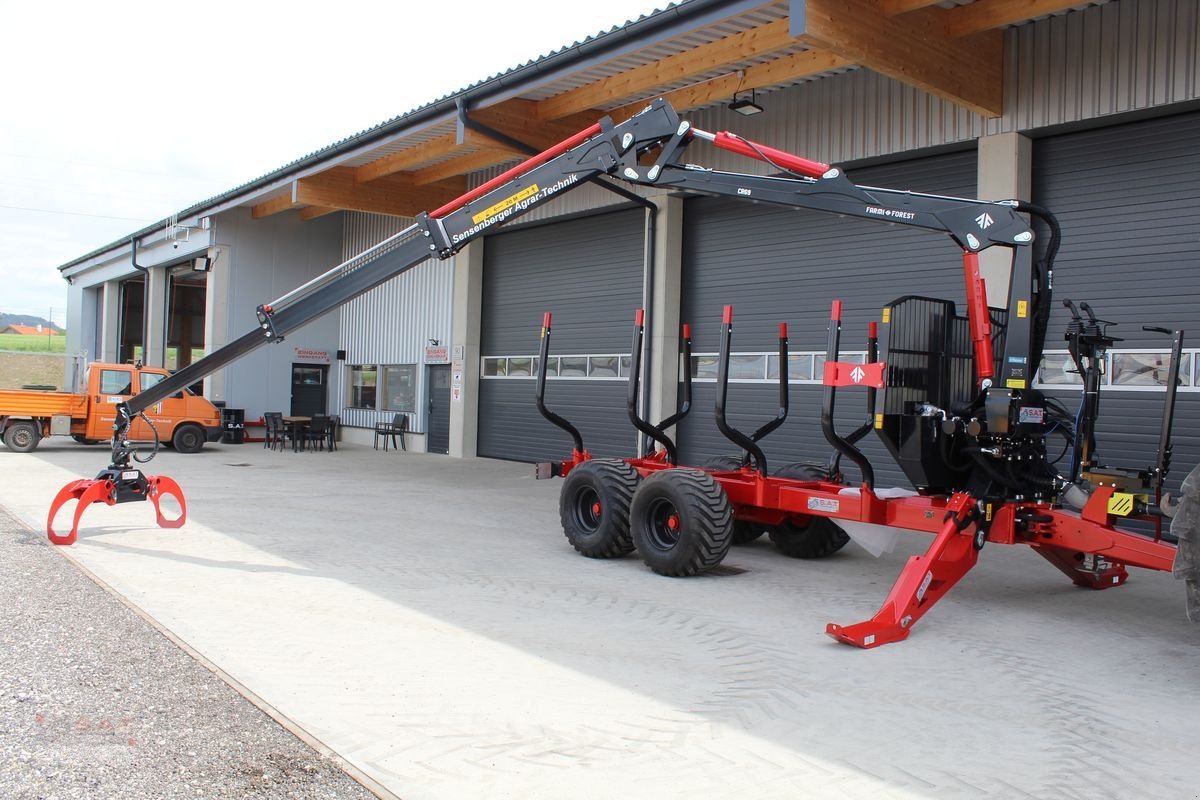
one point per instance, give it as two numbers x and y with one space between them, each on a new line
184 420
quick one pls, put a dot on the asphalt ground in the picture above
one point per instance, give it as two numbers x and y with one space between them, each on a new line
424 618
96 703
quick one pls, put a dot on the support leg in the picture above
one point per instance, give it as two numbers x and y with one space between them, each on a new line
924 580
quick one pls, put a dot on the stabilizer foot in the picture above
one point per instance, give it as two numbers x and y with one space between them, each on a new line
924 580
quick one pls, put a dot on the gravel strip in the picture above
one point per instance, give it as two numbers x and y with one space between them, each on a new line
95 703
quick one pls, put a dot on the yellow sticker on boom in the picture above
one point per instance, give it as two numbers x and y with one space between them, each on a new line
1022 309
879 421
1121 504
887 315
1013 383
508 202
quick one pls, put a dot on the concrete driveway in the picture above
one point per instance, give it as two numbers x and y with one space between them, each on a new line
424 618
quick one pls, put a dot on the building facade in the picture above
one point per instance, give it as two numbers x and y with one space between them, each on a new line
1090 110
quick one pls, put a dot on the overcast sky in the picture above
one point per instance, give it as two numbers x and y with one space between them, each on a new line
115 115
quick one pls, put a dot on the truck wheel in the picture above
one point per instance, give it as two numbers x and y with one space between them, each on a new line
743 531
814 537
594 507
22 437
188 439
84 439
681 522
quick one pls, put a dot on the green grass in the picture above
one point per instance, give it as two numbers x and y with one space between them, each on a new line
33 344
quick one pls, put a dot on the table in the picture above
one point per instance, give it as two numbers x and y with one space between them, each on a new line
297 425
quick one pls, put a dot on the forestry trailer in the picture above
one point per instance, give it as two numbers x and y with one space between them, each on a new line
952 398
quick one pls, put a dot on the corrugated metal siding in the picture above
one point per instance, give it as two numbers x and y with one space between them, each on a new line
776 265
1127 200
588 272
392 323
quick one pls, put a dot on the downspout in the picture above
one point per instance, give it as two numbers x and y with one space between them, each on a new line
145 299
651 234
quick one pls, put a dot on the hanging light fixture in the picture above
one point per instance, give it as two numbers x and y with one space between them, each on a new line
747 108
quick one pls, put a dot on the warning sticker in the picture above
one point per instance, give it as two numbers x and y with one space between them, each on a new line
508 202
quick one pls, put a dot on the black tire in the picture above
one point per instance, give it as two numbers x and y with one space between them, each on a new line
594 507
22 437
681 522
83 439
188 439
743 531
814 537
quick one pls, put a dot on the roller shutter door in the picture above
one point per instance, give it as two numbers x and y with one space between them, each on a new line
779 265
1127 199
588 272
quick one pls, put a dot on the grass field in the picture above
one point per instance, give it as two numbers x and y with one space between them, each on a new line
33 344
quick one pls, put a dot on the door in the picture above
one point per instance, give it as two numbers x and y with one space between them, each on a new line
113 385
164 414
308 389
438 381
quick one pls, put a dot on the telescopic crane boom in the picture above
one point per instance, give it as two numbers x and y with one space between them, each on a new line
644 150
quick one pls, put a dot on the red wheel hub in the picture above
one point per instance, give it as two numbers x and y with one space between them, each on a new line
673 522
596 509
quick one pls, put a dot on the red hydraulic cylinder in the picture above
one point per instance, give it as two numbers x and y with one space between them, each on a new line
736 144
980 319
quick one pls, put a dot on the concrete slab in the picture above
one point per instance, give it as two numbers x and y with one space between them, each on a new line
425 619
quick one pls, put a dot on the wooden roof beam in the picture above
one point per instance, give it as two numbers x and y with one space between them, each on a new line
395 195
461 165
275 205
890 8
418 155
312 212
519 119
782 70
913 48
705 58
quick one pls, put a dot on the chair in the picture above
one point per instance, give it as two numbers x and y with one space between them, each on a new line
390 430
275 430
334 423
317 432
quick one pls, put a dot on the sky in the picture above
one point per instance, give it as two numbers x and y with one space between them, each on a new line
115 115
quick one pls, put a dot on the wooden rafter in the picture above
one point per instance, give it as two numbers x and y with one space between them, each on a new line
705 58
312 212
913 48
890 8
273 206
986 15
395 195
417 155
782 70
460 165
519 120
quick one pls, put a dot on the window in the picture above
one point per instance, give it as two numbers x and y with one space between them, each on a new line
804 367
115 381
149 379
363 379
1122 370
600 367
400 387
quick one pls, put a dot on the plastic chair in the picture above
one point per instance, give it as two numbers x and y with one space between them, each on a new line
275 430
334 423
390 430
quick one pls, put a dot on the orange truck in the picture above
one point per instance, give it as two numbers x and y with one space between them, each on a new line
185 420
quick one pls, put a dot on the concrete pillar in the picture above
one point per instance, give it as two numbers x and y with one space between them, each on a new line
156 316
666 285
110 323
216 315
1005 171
465 333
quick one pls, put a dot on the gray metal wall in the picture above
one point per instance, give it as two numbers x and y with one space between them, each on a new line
1128 200
392 323
777 265
588 273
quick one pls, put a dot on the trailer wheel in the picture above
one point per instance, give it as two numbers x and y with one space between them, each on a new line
594 507
743 531
22 437
815 537
681 522
188 439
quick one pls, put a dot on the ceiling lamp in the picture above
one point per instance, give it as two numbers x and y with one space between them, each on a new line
747 108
